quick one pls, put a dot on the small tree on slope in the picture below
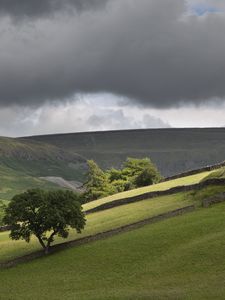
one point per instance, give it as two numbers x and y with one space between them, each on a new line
97 184
45 215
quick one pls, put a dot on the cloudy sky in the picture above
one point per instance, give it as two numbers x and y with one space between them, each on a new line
80 65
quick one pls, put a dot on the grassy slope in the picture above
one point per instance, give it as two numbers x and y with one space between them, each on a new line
179 258
40 159
216 174
22 162
101 221
113 218
188 180
13 182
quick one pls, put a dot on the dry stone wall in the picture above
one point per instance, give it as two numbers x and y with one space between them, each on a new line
196 171
151 195
213 200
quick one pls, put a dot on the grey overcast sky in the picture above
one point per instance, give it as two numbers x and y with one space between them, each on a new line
79 65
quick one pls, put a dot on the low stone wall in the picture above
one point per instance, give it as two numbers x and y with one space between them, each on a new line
213 200
151 195
4 228
196 171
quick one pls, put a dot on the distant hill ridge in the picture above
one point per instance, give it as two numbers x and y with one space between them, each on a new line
174 151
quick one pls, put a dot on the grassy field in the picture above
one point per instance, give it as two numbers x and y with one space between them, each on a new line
216 174
188 180
14 182
112 218
179 258
101 221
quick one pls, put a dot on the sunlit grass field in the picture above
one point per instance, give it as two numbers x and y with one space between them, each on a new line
101 221
178 258
188 180
220 173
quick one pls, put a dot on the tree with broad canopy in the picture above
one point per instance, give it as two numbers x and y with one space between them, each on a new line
45 214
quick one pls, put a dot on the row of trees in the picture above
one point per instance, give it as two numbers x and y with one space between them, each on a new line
133 174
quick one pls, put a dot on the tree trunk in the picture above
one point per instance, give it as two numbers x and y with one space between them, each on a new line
49 241
47 250
41 242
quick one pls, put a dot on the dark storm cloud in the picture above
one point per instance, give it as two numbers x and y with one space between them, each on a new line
146 50
42 8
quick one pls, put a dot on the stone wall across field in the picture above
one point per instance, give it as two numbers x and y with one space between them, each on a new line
196 171
151 195
213 200
4 228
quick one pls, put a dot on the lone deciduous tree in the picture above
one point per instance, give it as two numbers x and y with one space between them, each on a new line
45 215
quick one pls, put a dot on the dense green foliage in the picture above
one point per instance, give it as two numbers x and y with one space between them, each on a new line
44 214
97 184
180 258
134 173
140 172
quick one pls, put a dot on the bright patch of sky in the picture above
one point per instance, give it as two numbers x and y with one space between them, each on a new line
104 112
203 7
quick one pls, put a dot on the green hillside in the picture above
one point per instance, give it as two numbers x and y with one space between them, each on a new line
172 150
40 159
101 221
122 215
23 162
14 182
174 258
179 258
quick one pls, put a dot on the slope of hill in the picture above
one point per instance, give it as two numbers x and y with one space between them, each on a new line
179 258
216 174
119 216
172 150
23 162
14 182
40 159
